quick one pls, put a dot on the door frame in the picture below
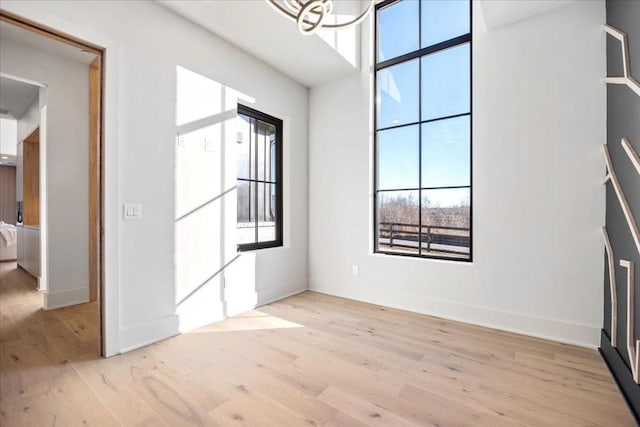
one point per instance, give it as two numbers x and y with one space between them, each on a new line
96 165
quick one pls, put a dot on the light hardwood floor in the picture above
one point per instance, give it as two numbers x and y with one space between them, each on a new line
309 360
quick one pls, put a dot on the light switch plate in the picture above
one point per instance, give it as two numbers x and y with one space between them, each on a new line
132 211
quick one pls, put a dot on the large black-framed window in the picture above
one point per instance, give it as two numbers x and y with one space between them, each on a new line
259 180
422 176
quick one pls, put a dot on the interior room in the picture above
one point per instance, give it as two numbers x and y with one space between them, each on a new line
320 212
45 137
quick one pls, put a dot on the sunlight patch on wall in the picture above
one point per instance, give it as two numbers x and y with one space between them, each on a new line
205 199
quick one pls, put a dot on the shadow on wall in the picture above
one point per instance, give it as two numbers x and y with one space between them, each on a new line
205 252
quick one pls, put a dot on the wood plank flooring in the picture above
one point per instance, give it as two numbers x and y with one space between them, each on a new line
309 360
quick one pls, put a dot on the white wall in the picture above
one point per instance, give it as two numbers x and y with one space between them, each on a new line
145 43
538 203
8 136
30 119
65 165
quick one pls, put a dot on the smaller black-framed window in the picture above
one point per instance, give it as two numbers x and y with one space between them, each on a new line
259 180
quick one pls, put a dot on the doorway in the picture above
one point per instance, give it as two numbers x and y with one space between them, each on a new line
60 214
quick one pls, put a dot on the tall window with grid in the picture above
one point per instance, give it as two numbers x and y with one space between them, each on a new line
423 129
259 165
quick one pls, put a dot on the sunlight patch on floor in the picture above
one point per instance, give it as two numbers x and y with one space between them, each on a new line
253 320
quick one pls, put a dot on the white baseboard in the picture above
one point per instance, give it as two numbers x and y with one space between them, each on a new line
519 323
148 333
196 318
267 296
66 298
42 284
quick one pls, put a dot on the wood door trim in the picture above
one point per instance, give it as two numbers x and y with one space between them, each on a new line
43 30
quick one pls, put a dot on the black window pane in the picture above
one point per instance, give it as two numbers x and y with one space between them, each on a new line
243 155
397 216
446 223
442 20
398 158
266 134
267 215
272 174
398 29
246 228
446 153
253 147
398 97
446 83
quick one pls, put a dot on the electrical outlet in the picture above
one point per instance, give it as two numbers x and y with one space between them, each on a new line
181 141
355 270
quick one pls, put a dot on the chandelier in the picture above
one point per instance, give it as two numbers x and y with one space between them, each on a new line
310 15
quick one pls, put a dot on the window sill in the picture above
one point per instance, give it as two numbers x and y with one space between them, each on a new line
260 249
421 258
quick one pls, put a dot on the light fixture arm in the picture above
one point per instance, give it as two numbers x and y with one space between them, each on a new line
311 14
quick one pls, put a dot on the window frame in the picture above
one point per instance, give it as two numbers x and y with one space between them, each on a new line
277 123
405 58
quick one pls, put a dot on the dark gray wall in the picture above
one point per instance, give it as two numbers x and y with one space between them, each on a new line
623 120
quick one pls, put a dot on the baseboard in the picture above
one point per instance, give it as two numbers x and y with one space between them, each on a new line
267 296
151 332
194 318
197 318
523 324
55 300
148 333
278 298
27 271
41 284
622 374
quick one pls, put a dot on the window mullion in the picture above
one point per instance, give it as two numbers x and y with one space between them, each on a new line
255 176
420 161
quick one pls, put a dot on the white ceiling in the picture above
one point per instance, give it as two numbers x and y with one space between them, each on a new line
498 13
15 97
19 35
255 27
